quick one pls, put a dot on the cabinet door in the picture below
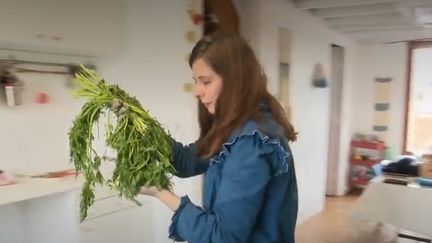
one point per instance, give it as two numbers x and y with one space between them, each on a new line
50 218
78 27
127 224
113 219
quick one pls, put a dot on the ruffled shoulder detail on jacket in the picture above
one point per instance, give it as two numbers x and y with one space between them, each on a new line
281 153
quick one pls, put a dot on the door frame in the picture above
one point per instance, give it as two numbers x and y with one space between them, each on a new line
412 45
334 173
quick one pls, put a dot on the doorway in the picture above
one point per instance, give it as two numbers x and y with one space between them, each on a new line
418 117
334 183
283 94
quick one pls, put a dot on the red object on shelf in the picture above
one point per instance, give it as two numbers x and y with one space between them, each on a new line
359 181
6 180
365 154
368 145
42 98
57 174
198 19
365 162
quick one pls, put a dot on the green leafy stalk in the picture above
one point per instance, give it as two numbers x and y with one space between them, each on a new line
143 146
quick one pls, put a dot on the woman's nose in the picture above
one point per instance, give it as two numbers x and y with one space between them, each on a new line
198 90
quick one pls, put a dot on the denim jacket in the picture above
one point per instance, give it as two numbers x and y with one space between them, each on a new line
250 190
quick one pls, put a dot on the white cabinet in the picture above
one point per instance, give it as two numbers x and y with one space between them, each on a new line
112 220
47 210
39 211
131 225
94 27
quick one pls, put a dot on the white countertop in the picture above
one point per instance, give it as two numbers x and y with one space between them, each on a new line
406 207
29 188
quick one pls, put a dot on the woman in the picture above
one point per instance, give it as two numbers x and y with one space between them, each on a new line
250 188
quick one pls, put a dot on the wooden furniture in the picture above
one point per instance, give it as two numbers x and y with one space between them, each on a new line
405 207
364 156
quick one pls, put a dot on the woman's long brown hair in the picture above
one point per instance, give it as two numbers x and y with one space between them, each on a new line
244 89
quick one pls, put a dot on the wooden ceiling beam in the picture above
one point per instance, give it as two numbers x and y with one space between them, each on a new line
366 19
388 36
381 29
379 8
318 4
358 26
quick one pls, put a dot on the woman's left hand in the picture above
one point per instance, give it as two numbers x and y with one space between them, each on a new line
150 191
168 198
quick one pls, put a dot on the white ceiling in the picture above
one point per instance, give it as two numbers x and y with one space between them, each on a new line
374 21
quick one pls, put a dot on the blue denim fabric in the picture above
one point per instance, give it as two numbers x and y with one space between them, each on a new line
250 190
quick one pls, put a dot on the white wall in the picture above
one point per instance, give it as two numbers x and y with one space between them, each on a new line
381 61
154 68
35 136
85 27
311 44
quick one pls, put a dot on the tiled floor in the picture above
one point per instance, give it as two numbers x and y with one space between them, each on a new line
332 225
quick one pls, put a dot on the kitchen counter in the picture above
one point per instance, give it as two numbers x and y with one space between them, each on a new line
30 188
40 210
407 207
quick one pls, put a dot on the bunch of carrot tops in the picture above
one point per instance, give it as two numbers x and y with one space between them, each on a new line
142 146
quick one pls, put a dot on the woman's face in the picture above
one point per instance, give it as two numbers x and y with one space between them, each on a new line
208 84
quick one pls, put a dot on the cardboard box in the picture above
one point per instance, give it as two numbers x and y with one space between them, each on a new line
426 170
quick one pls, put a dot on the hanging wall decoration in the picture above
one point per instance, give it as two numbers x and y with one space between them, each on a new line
196 18
194 32
191 36
382 107
318 78
42 98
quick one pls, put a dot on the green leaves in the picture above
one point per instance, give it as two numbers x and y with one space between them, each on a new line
142 145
